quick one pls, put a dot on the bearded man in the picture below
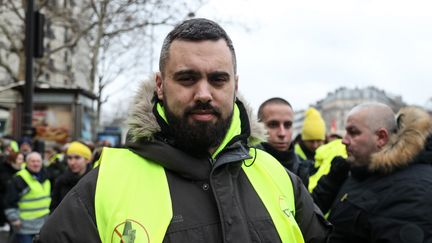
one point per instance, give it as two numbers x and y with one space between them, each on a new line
187 173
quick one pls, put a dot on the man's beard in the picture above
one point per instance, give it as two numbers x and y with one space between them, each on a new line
197 137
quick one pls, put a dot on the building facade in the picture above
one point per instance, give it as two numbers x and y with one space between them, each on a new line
336 105
63 98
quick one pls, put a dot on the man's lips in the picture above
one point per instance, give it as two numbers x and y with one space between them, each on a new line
203 115
281 145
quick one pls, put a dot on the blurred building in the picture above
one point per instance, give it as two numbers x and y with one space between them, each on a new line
63 98
336 105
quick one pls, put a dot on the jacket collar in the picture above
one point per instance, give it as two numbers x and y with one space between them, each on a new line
412 143
148 136
144 123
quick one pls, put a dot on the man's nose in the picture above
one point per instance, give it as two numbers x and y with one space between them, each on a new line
203 91
281 130
345 140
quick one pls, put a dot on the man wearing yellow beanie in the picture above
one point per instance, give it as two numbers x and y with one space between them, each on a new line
79 156
312 134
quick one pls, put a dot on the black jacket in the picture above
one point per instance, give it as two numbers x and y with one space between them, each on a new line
63 185
329 185
391 200
212 200
290 160
6 174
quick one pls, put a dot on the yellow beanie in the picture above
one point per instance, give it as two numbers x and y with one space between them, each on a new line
79 149
313 126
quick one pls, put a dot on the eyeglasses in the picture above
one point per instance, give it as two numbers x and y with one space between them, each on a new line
74 157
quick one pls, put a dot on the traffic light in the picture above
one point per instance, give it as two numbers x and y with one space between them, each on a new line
39 22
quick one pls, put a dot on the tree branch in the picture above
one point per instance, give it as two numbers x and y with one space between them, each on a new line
9 37
8 70
73 42
134 27
16 11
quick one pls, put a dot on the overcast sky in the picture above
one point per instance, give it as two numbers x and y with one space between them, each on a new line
301 50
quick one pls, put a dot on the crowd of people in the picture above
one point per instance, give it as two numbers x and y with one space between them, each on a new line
199 166
32 184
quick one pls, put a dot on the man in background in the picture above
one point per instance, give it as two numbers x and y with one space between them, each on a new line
277 116
387 195
313 135
27 199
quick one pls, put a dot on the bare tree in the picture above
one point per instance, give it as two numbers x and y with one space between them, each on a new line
96 32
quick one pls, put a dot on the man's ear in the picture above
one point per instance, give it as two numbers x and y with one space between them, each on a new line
159 86
383 137
236 83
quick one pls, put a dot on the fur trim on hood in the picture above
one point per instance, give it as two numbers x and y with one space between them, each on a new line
414 126
142 123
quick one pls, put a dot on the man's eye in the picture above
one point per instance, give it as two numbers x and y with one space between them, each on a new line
287 125
186 79
272 124
353 132
218 80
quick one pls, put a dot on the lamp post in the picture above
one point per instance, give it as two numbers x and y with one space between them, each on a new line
29 85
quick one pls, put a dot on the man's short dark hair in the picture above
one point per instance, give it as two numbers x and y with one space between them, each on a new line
274 100
198 29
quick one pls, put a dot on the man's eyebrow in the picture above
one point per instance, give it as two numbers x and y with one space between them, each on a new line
185 72
218 73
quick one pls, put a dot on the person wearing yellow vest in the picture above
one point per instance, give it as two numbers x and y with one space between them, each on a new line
27 199
323 160
187 173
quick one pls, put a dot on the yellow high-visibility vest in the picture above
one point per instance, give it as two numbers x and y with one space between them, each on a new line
299 151
35 203
323 158
133 202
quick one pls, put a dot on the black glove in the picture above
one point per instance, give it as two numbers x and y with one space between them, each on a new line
339 169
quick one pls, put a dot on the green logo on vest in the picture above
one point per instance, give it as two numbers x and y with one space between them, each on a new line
284 207
130 231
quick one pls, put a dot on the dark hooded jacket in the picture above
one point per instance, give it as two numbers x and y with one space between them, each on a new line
290 160
6 174
63 184
212 199
391 199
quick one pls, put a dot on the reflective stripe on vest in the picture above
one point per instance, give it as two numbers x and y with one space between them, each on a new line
35 203
138 208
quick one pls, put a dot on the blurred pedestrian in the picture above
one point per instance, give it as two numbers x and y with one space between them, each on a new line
25 146
56 163
8 168
313 135
78 157
27 199
324 156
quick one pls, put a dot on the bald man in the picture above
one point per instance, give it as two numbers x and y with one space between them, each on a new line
387 197
27 199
